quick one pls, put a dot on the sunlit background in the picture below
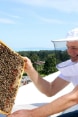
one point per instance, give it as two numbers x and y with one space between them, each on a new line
32 24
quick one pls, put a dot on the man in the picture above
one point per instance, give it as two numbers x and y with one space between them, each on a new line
50 89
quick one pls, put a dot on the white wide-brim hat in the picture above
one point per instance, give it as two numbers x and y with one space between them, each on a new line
67 68
71 36
60 44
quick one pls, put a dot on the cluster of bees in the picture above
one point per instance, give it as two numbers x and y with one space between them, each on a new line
11 69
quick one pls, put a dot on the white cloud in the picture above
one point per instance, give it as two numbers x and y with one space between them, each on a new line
48 20
14 16
6 21
56 21
63 5
9 15
8 18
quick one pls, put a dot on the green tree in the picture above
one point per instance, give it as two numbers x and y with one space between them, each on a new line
50 65
34 58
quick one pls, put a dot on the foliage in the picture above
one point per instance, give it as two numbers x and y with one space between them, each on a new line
50 65
49 57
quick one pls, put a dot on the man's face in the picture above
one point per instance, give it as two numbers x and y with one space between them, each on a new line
72 49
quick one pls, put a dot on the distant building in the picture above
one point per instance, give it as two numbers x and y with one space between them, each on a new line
40 62
25 80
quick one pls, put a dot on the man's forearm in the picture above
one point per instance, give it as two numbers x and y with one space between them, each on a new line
42 85
56 106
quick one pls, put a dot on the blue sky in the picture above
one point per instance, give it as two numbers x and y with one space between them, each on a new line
28 24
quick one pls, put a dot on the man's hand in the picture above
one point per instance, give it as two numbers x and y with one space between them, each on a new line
21 113
27 65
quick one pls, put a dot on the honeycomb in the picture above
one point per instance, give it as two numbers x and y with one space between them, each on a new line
11 70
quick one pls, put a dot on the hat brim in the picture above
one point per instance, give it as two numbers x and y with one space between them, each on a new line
66 39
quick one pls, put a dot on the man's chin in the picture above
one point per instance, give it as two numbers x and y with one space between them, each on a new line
74 59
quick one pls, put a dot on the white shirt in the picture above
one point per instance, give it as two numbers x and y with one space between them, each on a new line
69 71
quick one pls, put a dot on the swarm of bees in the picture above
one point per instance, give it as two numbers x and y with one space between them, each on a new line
11 70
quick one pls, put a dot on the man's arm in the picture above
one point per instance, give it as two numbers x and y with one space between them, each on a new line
48 88
58 105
